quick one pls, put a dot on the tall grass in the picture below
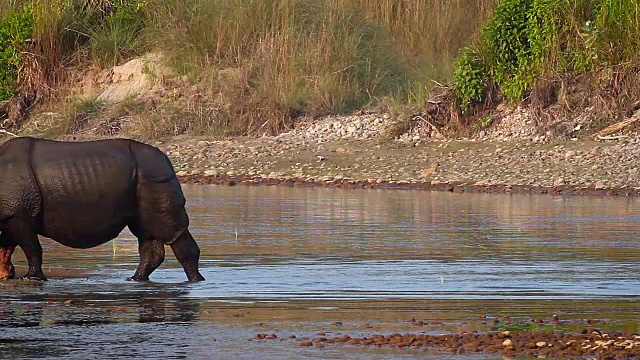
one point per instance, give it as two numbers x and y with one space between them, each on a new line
60 28
295 56
314 57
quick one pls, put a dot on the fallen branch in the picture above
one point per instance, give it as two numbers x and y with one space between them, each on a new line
618 126
433 127
8 133
615 137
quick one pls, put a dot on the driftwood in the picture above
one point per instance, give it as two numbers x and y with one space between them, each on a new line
7 133
12 111
4 108
603 134
614 137
433 127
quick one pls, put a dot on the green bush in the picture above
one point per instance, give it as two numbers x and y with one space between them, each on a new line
469 78
527 39
15 29
508 47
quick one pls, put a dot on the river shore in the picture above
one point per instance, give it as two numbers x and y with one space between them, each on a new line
354 152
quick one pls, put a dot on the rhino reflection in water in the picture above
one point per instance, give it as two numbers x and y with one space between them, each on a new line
83 194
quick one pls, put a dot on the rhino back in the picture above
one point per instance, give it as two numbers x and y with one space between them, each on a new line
87 188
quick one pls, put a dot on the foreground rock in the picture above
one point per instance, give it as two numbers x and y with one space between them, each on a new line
525 343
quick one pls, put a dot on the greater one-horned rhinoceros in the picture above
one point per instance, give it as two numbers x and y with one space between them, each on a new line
83 194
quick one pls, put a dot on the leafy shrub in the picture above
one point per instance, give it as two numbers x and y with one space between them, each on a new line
15 29
526 39
469 78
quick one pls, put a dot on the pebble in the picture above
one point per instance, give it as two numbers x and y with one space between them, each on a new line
599 185
569 154
429 171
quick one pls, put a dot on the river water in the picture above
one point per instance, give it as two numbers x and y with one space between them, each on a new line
299 261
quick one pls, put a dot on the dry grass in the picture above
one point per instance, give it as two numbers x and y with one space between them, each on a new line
296 57
315 57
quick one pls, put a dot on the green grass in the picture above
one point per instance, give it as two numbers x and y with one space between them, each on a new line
15 29
116 37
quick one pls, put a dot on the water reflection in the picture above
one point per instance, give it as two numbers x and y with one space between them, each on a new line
59 306
266 243
307 255
63 323
414 225
328 243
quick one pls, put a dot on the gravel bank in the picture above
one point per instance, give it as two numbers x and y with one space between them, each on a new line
349 151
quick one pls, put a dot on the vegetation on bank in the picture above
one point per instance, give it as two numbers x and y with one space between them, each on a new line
527 43
292 57
14 32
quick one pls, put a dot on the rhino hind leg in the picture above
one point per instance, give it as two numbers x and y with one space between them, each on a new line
26 237
162 216
151 256
187 252
7 246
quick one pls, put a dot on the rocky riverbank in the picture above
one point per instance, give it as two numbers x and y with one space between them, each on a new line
355 152
594 345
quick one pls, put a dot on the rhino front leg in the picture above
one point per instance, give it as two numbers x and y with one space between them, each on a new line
25 236
151 256
7 246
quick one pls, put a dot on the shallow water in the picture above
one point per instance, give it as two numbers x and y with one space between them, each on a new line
298 260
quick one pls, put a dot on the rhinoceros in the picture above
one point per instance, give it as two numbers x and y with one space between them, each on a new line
83 193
